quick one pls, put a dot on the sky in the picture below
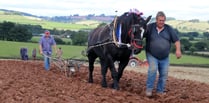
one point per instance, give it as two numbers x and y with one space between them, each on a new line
179 9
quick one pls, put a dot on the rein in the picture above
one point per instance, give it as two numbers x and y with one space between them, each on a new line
133 41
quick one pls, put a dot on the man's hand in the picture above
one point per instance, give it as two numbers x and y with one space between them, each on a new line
178 49
178 54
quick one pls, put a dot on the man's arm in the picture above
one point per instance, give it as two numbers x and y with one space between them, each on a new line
178 49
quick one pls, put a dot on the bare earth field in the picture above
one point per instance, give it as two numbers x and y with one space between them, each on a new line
28 82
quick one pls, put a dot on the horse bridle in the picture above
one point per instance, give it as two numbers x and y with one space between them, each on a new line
133 40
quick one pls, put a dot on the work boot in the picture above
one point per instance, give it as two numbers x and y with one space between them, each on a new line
148 93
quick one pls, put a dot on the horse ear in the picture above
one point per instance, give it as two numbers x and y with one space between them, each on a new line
148 19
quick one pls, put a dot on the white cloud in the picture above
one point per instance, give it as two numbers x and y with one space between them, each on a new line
180 9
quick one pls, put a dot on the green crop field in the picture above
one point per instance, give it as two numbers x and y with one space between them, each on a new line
12 50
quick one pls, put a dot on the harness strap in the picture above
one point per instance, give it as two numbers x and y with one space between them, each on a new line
114 27
113 37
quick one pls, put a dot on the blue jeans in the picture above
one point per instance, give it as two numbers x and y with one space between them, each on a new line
157 65
46 63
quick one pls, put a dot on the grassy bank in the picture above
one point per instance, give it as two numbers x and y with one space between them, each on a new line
12 50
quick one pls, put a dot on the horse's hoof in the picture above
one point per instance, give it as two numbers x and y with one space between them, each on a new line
104 85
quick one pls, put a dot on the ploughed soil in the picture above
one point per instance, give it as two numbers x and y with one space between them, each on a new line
28 82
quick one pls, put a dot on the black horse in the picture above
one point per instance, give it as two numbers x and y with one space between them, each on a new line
103 43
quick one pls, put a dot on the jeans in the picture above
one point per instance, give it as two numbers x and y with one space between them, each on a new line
157 65
46 62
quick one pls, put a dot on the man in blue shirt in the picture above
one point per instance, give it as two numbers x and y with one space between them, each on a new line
158 43
45 45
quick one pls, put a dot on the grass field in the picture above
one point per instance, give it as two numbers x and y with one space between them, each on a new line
12 50
47 24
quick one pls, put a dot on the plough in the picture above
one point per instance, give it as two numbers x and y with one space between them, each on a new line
68 66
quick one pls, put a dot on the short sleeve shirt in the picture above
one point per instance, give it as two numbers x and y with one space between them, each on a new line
46 44
159 44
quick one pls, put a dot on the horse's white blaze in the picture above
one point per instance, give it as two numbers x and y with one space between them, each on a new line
142 33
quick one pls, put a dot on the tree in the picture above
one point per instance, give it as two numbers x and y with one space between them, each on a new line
191 38
55 31
192 49
19 33
59 40
185 44
80 38
201 46
4 29
193 34
206 35
102 15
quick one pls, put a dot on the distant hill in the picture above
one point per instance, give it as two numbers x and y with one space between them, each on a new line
18 17
12 12
190 26
65 19
78 22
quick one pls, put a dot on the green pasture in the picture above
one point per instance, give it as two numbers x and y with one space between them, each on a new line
35 39
89 23
12 50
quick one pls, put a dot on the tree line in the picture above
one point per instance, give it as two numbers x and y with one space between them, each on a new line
10 31
193 41
14 32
